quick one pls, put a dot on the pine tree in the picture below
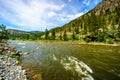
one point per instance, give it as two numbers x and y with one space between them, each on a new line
73 36
53 35
3 32
60 36
46 34
65 36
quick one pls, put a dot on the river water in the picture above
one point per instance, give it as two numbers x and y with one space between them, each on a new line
68 61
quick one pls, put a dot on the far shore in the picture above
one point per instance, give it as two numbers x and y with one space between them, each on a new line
74 42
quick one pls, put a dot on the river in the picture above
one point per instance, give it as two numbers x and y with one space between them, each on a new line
70 61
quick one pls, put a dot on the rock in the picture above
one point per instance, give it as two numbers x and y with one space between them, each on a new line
8 64
17 62
21 54
6 48
13 53
9 52
26 53
1 48
24 72
1 78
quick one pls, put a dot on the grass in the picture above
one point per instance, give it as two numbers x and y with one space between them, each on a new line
16 57
0 51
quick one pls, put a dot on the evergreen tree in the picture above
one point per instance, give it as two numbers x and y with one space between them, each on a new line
53 35
69 29
73 36
77 30
65 36
60 36
46 34
3 32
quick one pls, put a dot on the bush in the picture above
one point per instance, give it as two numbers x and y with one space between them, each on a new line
110 40
100 37
0 51
15 56
90 38
87 40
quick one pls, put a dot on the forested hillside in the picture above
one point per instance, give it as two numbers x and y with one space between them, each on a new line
100 24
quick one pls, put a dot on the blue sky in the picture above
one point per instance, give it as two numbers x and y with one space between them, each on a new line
37 15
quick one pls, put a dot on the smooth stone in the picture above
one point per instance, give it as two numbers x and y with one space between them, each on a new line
0 78
6 48
26 53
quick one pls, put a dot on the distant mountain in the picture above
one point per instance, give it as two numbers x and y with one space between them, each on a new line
13 31
100 23
24 35
36 32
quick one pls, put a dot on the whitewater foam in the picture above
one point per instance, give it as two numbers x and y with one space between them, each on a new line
77 67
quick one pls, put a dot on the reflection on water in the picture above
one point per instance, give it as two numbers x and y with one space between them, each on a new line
66 61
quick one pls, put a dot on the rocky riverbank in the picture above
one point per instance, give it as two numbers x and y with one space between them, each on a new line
10 68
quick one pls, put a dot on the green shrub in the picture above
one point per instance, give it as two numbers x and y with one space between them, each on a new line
100 37
0 51
1 67
15 56
110 40
87 40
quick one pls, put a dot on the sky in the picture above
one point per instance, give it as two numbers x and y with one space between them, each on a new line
38 15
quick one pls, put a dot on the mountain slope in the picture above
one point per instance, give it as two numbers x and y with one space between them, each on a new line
12 31
24 35
99 24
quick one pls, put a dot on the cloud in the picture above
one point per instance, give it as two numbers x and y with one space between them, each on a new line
69 0
86 2
71 17
96 2
51 14
37 14
79 14
29 15
57 7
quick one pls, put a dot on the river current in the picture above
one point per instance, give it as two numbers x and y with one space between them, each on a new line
70 61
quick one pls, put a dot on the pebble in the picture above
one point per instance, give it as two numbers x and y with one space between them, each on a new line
9 70
0 78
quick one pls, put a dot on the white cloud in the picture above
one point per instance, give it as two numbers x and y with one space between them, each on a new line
79 14
71 17
69 0
96 2
86 2
30 15
51 14
57 7
36 14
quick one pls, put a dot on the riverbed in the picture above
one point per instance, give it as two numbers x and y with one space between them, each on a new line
69 61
